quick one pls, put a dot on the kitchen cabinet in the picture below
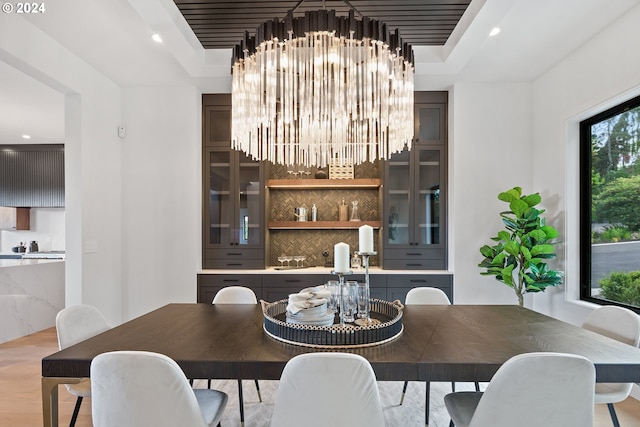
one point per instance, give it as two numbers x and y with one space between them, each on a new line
15 218
275 286
233 197
415 197
233 211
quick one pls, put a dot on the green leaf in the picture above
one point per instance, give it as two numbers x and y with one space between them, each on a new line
518 207
510 195
541 249
525 252
550 231
512 247
532 199
504 236
538 235
507 275
487 251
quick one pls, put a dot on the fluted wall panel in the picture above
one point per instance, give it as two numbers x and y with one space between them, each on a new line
32 176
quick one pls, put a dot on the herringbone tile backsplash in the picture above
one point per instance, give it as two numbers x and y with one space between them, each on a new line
311 243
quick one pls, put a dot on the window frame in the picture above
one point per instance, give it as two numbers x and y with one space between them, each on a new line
585 192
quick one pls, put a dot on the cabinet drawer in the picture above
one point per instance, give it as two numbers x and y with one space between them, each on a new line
234 258
414 259
292 281
233 264
235 252
210 284
399 284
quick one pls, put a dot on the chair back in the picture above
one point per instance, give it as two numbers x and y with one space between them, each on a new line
235 295
539 389
325 389
620 324
426 296
78 323
137 388
615 322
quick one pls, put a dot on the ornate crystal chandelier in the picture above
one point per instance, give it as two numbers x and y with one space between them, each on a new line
321 88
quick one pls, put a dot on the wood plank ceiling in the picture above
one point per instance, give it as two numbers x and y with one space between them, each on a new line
220 24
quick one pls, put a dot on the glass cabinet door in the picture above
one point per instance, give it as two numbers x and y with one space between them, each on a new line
248 231
399 203
220 202
428 207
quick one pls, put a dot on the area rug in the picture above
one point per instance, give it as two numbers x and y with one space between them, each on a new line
410 413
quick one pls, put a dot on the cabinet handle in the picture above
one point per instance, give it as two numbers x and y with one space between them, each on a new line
236 264
414 253
417 281
292 280
414 265
234 254
230 280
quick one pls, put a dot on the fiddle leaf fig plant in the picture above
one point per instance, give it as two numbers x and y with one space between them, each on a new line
519 256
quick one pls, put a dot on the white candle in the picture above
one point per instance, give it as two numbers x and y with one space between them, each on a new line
366 238
341 258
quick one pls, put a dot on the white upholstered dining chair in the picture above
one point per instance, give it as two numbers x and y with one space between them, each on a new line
74 324
530 390
237 295
427 296
327 389
139 388
623 325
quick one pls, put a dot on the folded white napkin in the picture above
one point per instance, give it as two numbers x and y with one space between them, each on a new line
307 298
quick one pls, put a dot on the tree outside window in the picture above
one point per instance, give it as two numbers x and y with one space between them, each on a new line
610 206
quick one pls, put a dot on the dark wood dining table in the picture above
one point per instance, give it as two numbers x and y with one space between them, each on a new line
465 343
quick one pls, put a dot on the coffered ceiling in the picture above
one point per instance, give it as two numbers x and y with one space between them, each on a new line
221 24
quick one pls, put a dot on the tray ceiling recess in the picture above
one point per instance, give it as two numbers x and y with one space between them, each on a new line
220 24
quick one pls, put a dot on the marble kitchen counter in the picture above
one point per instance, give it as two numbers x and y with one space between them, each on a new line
21 262
31 295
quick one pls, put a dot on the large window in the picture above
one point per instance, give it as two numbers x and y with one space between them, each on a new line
610 206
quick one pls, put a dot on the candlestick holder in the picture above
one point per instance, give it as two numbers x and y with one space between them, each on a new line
365 315
341 299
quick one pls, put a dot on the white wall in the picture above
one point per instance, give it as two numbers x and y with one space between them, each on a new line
490 147
161 180
599 75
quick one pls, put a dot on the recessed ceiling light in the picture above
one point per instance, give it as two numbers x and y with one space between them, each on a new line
156 38
494 31
26 136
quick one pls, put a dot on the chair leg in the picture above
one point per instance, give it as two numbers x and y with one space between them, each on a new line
208 382
451 424
76 409
404 390
258 390
614 417
426 403
241 403
453 387
477 386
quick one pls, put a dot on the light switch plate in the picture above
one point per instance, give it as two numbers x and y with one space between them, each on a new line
91 246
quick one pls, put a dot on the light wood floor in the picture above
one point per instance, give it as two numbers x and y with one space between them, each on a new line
20 393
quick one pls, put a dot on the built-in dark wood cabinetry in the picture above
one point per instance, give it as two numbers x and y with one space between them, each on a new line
273 286
415 192
233 195
248 210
